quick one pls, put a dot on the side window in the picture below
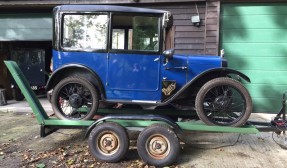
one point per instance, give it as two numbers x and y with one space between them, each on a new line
118 39
85 31
135 33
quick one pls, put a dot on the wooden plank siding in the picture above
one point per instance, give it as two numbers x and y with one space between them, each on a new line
189 39
27 3
212 28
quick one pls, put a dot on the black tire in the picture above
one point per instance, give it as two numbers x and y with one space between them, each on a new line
17 94
158 145
223 101
108 142
71 96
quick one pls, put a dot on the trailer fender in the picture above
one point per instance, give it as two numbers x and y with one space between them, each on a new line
159 118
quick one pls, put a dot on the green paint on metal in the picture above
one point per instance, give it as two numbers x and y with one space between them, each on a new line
192 126
83 123
196 126
30 96
34 103
255 41
169 112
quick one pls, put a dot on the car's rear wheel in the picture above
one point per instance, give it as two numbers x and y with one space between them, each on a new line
75 98
223 101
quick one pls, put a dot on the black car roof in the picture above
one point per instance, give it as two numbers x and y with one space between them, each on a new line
107 8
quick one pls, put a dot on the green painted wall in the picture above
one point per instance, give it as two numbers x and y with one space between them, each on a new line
25 27
254 36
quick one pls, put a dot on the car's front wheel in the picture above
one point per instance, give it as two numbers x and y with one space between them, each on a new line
75 98
223 101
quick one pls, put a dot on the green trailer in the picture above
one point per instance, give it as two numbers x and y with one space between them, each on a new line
158 142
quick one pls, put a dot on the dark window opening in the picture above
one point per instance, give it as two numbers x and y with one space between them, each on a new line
137 33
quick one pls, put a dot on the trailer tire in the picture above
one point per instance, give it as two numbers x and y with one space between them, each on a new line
108 142
219 101
158 145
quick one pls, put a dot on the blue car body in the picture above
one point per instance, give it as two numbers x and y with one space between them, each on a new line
113 55
138 77
131 76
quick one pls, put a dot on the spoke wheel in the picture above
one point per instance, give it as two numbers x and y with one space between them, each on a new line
158 145
108 142
223 101
75 98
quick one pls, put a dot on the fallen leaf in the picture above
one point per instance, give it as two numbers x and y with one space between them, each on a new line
70 161
41 165
65 153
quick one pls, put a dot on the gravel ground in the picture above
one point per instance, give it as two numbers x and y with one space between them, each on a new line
21 146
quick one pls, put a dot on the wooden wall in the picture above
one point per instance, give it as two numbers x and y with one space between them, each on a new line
190 39
212 28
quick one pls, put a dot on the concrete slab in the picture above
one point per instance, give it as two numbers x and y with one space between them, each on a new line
23 106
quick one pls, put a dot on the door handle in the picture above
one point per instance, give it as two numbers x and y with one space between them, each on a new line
182 68
155 60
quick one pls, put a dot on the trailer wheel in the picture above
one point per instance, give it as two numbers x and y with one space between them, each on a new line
158 145
75 98
223 101
108 142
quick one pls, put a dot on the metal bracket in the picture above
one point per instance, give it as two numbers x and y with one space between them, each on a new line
47 130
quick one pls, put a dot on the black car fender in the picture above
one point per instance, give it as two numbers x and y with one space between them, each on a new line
225 72
74 70
209 74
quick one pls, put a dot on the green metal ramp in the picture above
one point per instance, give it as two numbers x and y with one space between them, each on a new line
47 122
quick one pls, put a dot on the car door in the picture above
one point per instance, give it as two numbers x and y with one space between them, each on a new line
134 59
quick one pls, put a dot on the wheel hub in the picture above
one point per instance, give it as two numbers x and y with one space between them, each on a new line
158 146
75 101
222 103
108 143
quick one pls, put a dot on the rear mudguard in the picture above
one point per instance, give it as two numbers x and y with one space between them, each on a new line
71 69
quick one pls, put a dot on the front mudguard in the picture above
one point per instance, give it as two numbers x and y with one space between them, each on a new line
205 77
239 74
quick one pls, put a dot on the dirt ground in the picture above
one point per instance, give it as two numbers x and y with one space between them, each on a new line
21 146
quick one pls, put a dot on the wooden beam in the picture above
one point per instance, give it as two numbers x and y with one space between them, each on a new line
230 1
58 2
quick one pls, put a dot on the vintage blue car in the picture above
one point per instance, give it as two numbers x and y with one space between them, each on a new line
116 55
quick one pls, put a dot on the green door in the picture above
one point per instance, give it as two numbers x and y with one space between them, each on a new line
254 36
